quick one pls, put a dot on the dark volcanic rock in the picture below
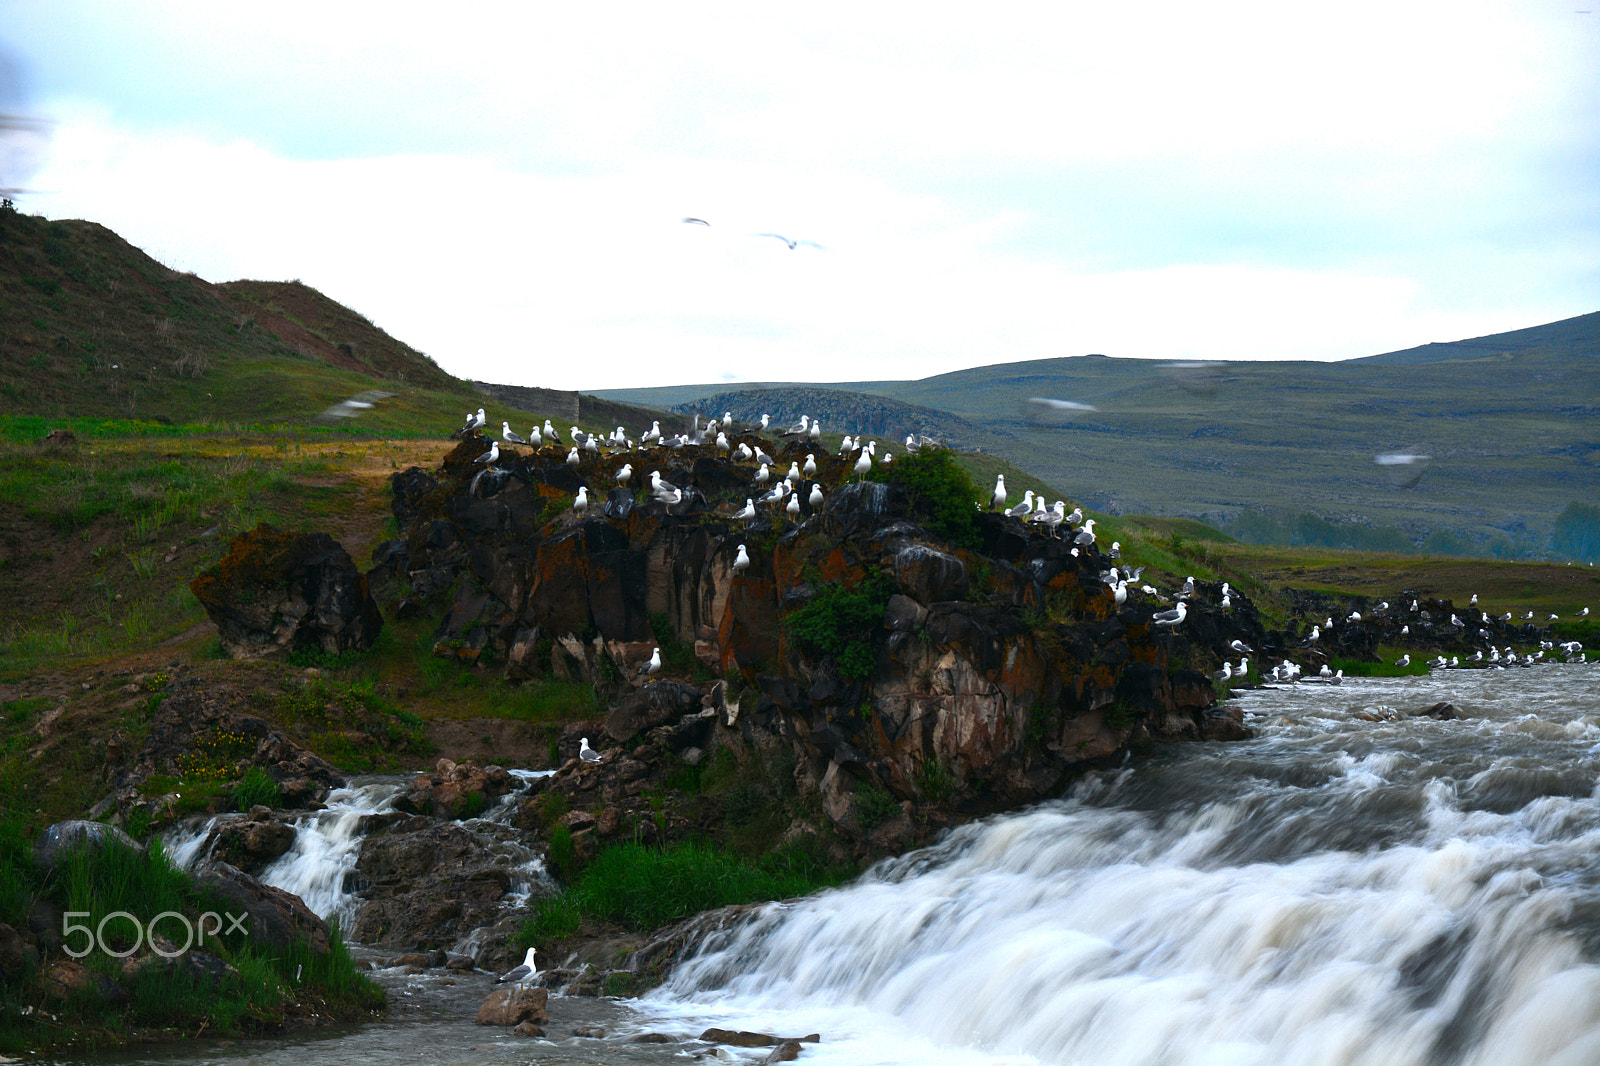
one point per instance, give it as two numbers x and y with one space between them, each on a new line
277 918
275 591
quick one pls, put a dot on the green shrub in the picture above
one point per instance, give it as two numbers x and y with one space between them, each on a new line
874 805
843 623
942 494
256 787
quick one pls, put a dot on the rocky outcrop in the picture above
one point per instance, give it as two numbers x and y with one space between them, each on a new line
971 677
456 790
249 842
276 591
208 725
515 1006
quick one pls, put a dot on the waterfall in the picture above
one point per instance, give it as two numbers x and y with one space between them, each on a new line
1337 891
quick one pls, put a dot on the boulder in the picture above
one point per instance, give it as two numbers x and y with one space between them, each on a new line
276 591
63 838
514 1006
928 575
457 790
277 918
66 979
655 704
249 842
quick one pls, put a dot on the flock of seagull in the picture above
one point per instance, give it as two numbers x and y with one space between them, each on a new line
785 495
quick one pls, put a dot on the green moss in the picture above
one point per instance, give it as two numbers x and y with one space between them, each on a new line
942 494
843 623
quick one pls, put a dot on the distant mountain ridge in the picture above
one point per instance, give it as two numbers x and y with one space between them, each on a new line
840 411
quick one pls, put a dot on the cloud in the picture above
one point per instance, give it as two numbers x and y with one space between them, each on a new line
502 188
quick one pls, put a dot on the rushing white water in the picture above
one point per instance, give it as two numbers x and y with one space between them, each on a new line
1339 891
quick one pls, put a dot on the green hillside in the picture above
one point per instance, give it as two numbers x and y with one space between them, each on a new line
1509 423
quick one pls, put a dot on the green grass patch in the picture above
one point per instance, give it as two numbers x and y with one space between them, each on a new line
642 887
843 623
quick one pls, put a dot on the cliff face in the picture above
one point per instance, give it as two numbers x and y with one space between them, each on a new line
887 658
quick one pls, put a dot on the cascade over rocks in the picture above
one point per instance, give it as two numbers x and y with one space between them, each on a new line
985 679
276 591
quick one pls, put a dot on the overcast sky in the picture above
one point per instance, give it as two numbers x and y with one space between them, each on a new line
502 185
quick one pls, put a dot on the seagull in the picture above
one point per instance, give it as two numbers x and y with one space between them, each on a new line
1187 592
749 511
763 475
1474 601
1116 549
697 222
1239 646
580 502
793 508
653 435
521 975
1172 617
510 437
659 487
863 464
794 472
722 443
491 456
1316 631
1325 672
1226 673
763 458
766 420
651 668
810 469
572 456
793 244
815 498
1075 518
799 428
1119 594
586 753
535 438
741 562
625 475
744 452
1023 509
1403 662
1085 536
815 432
997 498
550 433
474 422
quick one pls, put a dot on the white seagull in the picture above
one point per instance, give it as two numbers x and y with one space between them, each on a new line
741 562
510 437
749 511
1173 617
625 475
521 975
651 668
580 502
491 456
997 498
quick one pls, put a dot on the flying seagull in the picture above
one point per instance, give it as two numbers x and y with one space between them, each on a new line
697 222
793 244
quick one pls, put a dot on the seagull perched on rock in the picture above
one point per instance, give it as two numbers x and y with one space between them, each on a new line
1239 646
1187 592
550 433
1085 536
1023 509
474 422
573 458
625 474
763 476
1403 662
997 498
863 464
509 436
749 511
1173 617
815 499
580 502
793 507
741 562
521 975
799 428
810 469
763 458
586 753
491 456
658 487
653 667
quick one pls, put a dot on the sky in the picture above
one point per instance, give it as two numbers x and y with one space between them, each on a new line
503 186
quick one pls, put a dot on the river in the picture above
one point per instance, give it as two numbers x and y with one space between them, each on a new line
1339 890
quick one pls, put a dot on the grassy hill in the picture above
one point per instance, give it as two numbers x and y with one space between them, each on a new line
1509 422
